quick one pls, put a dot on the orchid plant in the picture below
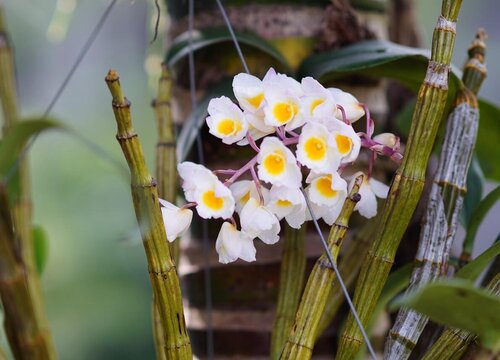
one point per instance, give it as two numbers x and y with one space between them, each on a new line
301 126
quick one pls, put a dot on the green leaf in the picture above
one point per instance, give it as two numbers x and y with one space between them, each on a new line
487 149
196 120
41 247
374 58
472 270
17 137
475 184
216 36
458 303
477 218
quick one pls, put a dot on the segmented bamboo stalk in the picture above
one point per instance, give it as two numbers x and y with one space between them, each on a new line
166 162
443 209
293 264
21 203
300 342
453 343
162 271
408 182
27 336
349 266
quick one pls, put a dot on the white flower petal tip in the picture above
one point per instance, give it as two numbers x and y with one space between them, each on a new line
369 190
226 121
388 139
277 165
259 221
353 109
249 91
232 244
175 219
316 149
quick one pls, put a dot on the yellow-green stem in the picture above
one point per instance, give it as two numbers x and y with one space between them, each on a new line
408 182
300 342
293 263
21 203
162 270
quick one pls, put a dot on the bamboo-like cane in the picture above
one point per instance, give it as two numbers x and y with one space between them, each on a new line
408 182
349 266
162 270
453 343
441 218
28 335
293 264
300 342
21 204
166 174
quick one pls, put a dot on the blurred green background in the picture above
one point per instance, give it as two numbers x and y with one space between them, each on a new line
96 286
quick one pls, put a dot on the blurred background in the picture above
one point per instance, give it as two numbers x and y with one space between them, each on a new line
96 285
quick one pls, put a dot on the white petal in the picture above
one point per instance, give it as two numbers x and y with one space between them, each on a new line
228 244
354 111
248 251
176 221
379 188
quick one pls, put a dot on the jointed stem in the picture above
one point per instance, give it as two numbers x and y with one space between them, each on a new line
162 270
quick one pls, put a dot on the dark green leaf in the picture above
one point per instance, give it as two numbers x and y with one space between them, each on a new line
475 182
472 270
214 36
477 218
196 120
374 58
458 304
487 149
41 247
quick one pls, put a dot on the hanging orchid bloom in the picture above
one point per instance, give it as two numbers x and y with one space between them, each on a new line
175 219
327 194
249 91
317 149
244 190
190 173
353 109
277 165
232 244
318 102
258 221
370 189
387 139
289 204
346 140
226 121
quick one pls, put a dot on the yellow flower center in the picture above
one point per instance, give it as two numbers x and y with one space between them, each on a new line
283 203
316 103
245 198
228 127
283 112
211 201
315 148
344 143
274 163
256 100
324 187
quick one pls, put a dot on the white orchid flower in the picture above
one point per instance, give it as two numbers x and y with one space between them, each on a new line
369 190
318 102
175 219
289 204
232 244
346 140
317 149
353 109
256 127
258 221
249 91
190 173
226 121
327 194
244 190
277 165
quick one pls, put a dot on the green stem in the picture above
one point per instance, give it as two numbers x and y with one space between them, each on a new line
408 182
293 263
300 342
166 175
21 203
162 270
453 343
28 336
349 266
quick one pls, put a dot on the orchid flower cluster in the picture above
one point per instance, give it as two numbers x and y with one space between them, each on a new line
302 126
